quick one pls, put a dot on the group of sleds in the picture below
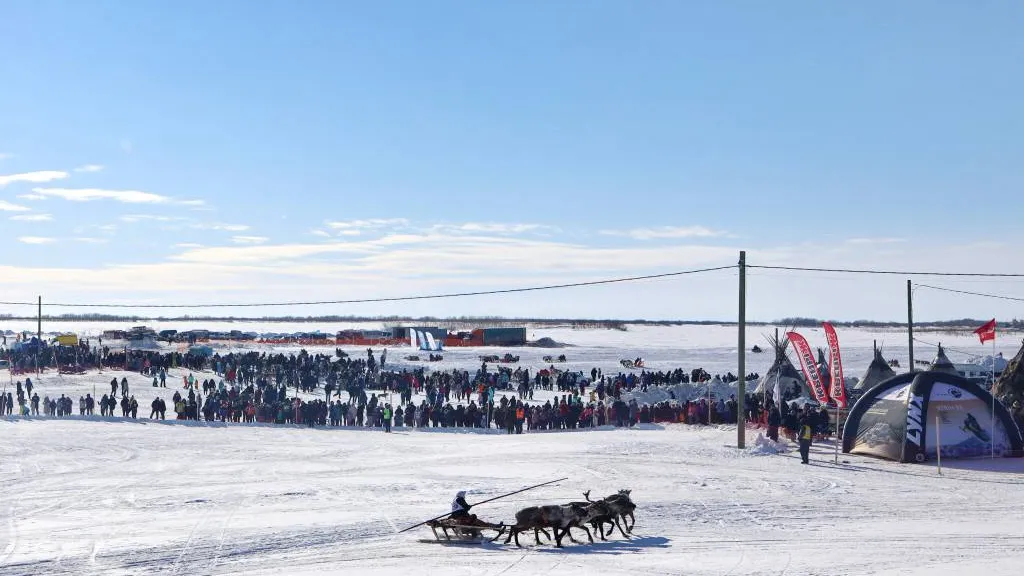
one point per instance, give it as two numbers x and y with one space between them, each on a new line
506 359
430 358
602 516
635 363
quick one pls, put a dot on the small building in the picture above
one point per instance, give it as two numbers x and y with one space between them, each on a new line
504 336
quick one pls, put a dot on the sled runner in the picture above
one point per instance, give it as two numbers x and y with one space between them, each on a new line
454 532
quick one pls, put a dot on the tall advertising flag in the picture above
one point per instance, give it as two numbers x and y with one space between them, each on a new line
810 368
987 332
835 360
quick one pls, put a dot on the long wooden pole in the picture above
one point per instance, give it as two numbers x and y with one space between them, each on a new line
741 343
484 502
910 323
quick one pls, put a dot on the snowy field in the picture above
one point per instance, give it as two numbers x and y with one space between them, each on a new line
144 497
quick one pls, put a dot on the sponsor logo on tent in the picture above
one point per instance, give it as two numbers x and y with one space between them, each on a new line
914 425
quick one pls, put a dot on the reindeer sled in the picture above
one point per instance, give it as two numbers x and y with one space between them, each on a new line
463 531
590 516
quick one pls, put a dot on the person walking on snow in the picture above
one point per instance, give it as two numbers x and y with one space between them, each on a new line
805 436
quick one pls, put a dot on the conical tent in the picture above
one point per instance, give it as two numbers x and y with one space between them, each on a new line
942 363
1010 384
878 371
791 381
897 420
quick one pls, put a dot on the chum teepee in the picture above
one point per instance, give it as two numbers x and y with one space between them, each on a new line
942 363
878 371
1009 387
791 381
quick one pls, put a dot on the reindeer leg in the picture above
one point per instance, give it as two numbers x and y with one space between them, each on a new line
632 522
624 535
587 530
568 532
558 539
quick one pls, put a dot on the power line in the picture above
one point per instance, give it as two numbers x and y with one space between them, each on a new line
391 299
934 345
890 272
969 293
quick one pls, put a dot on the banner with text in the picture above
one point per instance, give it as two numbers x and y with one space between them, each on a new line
835 360
810 368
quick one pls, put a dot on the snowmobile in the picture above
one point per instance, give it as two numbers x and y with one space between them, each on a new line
971 426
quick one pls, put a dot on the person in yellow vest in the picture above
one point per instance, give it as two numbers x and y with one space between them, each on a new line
805 436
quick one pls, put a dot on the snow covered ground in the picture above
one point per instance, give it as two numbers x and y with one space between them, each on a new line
154 498
143 497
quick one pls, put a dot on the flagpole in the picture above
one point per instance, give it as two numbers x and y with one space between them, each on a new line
992 391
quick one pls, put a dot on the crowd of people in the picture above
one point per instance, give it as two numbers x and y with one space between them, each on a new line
269 387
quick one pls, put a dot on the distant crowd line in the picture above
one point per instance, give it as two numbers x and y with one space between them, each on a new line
264 388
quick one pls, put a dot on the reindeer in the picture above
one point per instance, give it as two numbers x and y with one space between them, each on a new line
621 506
557 517
600 514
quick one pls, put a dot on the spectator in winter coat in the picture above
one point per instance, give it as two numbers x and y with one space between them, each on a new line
806 436
773 423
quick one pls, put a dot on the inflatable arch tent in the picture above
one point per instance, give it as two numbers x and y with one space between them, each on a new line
896 420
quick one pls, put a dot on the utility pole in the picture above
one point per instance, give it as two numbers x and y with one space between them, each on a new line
910 322
741 389
39 320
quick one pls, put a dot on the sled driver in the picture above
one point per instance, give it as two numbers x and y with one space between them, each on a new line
460 509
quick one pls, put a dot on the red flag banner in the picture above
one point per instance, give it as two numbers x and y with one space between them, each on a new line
809 366
838 391
987 332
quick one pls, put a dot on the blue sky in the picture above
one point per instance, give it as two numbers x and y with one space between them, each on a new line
252 151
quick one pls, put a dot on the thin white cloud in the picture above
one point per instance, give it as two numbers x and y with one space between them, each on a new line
88 240
34 177
36 240
219 226
6 206
863 241
187 245
5 155
192 202
493 228
31 196
371 223
320 233
666 232
149 217
90 168
33 217
90 194
249 239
